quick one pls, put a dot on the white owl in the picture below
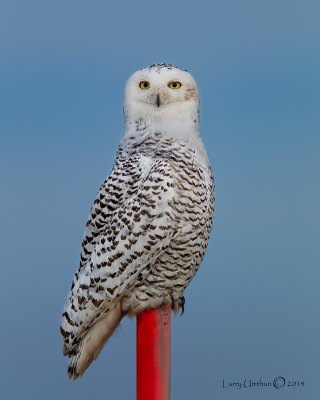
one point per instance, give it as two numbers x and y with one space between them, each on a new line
149 225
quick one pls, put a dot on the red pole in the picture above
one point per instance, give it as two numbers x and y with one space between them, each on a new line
153 354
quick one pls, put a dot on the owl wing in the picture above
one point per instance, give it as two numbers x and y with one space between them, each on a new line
122 183
123 238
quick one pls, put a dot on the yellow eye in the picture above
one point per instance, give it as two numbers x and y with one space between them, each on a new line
174 85
144 85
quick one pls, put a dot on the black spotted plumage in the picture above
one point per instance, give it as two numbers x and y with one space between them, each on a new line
149 226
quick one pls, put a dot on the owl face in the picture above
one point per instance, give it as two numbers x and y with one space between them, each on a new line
160 87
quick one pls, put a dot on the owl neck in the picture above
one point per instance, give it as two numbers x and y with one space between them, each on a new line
145 135
175 120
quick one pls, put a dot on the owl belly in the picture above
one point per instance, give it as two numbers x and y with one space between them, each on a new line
170 274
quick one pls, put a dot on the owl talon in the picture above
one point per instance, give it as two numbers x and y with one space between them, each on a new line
182 302
172 301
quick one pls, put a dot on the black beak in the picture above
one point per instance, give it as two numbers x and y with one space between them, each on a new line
158 100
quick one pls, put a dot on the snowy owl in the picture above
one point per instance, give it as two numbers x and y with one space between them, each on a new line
150 223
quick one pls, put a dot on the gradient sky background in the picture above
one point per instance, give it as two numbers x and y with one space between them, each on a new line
253 309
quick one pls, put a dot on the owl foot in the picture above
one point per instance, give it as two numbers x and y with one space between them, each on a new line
182 302
176 304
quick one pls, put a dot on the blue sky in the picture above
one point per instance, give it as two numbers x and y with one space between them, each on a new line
252 310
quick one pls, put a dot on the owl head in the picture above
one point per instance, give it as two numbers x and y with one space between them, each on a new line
161 92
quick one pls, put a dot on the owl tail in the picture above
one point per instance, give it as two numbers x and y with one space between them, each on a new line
90 346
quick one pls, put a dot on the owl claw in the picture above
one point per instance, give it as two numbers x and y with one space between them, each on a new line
182 302
172 301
